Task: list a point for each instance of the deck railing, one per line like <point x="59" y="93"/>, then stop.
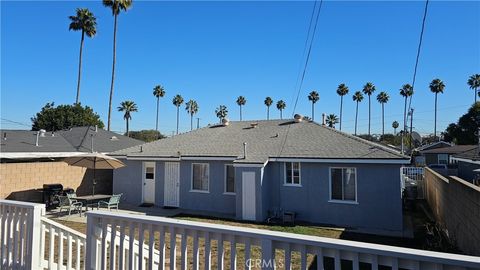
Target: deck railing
<point x="30" y="241"/>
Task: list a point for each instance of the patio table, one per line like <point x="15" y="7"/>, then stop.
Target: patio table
<point x="90" y="199"/>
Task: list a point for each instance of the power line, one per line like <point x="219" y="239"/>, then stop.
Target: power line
<point x="15" y="122"/>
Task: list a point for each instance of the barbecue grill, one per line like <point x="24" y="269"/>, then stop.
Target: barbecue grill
<point x="50" y="193"/>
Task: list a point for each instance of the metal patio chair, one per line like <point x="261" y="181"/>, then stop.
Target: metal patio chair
<point x="65" y="202"/>
<point x="111" y="203"/>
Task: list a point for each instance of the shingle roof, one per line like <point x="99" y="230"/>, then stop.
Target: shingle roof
<point x="472" y="154"/>
<point x="455" y="149"/>
<point x="24" y="141"/>
<point x="267" y="140"/>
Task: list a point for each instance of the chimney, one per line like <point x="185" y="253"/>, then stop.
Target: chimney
<point x="323" y="119"/>
<point x="244" y="150"/>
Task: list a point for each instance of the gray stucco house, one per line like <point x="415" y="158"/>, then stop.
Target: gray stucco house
<point x="248" y="169"/>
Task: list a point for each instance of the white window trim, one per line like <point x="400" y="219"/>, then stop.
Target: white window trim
<point x="225" y="192"/>
<point x="285" y="175"/>
<point x="448" y="159"/>
<point x="330" y="186"/>
<point x="208" y="179"/>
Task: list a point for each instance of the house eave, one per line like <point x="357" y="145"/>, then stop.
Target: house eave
<point x="466" y="160"/>
<point x="343" y="160"/>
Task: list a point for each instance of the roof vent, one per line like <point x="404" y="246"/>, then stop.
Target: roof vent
<point x="298" y="118"/>
<point x="114" y="138"/>
<point x="225" y="122"/>
<point x="53" y="133"/>
<point x="323" y="120"/>
<point x="5" y="136"/>
<point x="42" y="132"/>
<point x="254" y="125"/>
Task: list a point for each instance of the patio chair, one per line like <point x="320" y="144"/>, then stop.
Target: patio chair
<point x="65" y="202"/>
<point x="111" y="203"/>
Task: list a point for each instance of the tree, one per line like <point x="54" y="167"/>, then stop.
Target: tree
<point x="436" y="86"/>
<point x="268" y="102"/>
<point x="86" y="22"/>
<point x="368" y="90"/>
<point x="474" y="83"/>
<point x="331" y="120"/>
<point x="158" y="92"/>
<point x="53" y="118"/>
<point x="281" y="105"/>
<point x="146" y="135"/>
<point x="342" y="90"/>
<point x="406" y="91"/>
<point x="127" y="107"/>
<point x="221" y="112"/>
<point x="116" y="6"/>
<point x="395" y="126"/>
<point x="313" y="97"/>
<point x="383" y="98"/>
<point x="240" y="102"/>
<point x="177" y="101"/>
<point x="464" y="131"/>
<point x="192" y="108"/>
<point x="357" y="97"/>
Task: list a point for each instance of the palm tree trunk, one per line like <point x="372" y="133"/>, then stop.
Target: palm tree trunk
<point x="177" y="117"/>
<point x="128" y="131"/>
<point x="240" y="112"/>
<point x="435" y="124"/>
<point x="313" y="112"/>
<point x="80" y="68"/>
<point x="383" y="120"/>
<point x="369" y="115"/>
<point x="156" y="122"/>
<point x="404" y="118"/>
<point x="475" y="91"/>
<point x="113" y="71"/>
<point x="281" y="116"/>
<point x="341" y="108"/>
<point x="191" y="122"/>
<point x="356" y="117"/>
<point x="268" y="112"/>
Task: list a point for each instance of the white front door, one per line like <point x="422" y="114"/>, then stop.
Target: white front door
<point x="172" y="184"/>
<point x="248" y="195"/>
<point x="149" y="182"/>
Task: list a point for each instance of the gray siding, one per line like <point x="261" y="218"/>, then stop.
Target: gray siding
<point x="378" y="196"/>
<point x="128" y="180"/>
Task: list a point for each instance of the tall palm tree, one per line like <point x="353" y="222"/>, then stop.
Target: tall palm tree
<point x="313" y="97"/>
<point x="395" y="126"/>
<point x="436" y="86"/>
<point x="383" y="98"/>
<point x="192" y="108"/>
<point x="331" y="120"/>
<point x="221" y="112"/>
<point x="342" y="90"/>
<point x="474" y="83"/>
<point x="281" y="105"/>
<point x="116" y="6"/>
<point x="268" y="102"/>
<point x="158" y="92"/>
<point x="177" y="101"/>
<point x="240" y="102"/>
<point x="127" y="107"/>
<point x="406" y="91"/>
<point x="86" y="22"/>
<point x="368" y="90"/>
<point x="357" y="97"/>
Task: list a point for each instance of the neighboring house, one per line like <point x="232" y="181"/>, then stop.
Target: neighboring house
<point x="29" y="159"/>
<point x="249" y="170"/>
<point x="467" y="163"/>
<point x="442" y="155"/>
<point x="421" y="160"/>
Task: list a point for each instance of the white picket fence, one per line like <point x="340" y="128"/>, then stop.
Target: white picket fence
<point x="27" y="243"/>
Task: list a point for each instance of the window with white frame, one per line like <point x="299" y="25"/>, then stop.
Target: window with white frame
<point x="343" y="183"/>
<point x="292" y="173"/>
<point x="229" y="179"/>
<point x="200" y="176"/>
<point x="150" y="171"/>
<point x="443" y="159"/>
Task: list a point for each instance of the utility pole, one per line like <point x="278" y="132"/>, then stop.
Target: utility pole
<point x="198" y="123"/>
<point x="411" y="127"/>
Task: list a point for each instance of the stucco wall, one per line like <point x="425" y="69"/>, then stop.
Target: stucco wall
<point x="22" y="181"/>
<point x="455" y="204"/>
<point x="378" y="196"/>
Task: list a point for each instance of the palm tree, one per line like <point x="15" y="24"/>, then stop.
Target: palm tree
<point x="406" y="91"/>
<point x="268" y="102"/>
<point x="192" y="108"/>
<point x="383" y="98"/>
<point x="86" y="22"/>
<point x="158" y="92"/>
<point x="357" y="97"/>
<point x="128" y="107"/>
<point x="331" y="120"/>
<point x="368" y="90"/>
<point x="177" y="101"/>
<point x="116" y="6"/>
<point x="474" y="83"/>
<point x="436" y="86"/>
<point x="281" y="105"/>
<point x="240" y="102"/>
<point x="342" y="90"/>
<point x="313" y="97"/>
<point x="221" y="112"/>
<point x="395" y="126"/>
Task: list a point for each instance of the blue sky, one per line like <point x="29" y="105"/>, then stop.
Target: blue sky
<point x="215" y="51"/>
